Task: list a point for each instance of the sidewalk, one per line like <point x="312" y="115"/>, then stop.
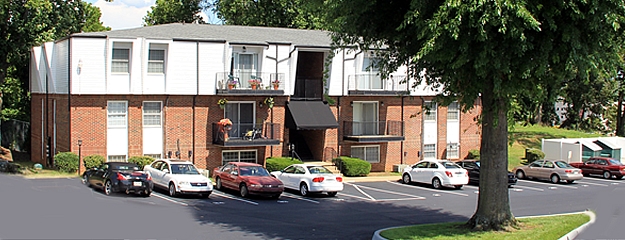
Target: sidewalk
<point x="375" y="177"/>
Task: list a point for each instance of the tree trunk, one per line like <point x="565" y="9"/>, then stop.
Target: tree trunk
<point x="493" y="205"/>
<point x="619" y="114"/>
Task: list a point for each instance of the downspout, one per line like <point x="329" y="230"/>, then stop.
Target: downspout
<point x="47" y="134"/>
<point x="401" y="144"/>
<point x="422" y="127"/>
<point x="197" y="92"/>
<point x="69" y="95"/>
<point x="166" y="156"/>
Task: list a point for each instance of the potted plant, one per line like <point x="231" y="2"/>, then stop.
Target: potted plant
<point x="269" y="102"/>
<point x="225" y="125"/>
<point x="254" y="83"/>
<point x="275" y="84"/>
<point x="232" y="83"/>
<point x="222" y="103"/>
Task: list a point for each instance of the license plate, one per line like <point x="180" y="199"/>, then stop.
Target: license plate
<point x="137" y="184"/>
<point x="458" y="173"/>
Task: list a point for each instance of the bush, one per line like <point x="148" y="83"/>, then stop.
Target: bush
<point x="279" y="163"/>
<point x="93" y="161"/>
<point x="66" y="162"/>
<point x="534" y="154"/>
<point x="352" y="167"/>
<point x="141" y="160"/>
<point x="474" y="154"/>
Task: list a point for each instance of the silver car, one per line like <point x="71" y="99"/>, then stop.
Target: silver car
<point x="553" y="170"/>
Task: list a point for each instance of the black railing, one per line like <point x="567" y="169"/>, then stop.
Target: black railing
<point x="374" y="82"/>
<point x="250" y="80"/>
<point x="308" y="88"/>
<point x="362" y="128"/>
<point x="245" y="132"/>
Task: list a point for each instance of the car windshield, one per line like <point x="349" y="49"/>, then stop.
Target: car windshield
<point x="318" y="170"/>
<point x="478" y="164"/>
<point x="253" y="171"/>
<point x="562" y="164"/>
<point x="615" y="162"/>
<point x="127" y="167"/>
<point x="183" y="169"/>
<point x="450" y="165"/>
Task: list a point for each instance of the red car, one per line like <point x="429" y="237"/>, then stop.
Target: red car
<point x="248" y="179"/>
<point x="607" y="167"/>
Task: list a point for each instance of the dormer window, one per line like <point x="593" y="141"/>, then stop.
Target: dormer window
<point x="156" y="58"/>
<point x="120" y="61"/>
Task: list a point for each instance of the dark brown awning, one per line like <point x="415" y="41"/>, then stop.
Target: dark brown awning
<point x="309" y="115"/>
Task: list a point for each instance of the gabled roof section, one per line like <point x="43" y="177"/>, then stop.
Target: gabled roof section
<point x="227" y="33"/>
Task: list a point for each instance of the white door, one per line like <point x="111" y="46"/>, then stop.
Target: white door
<point x="365" y="116"/>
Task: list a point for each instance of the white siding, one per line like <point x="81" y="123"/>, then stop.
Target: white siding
<point x="91" y="78"/>
<point x="181" y="68"/>
<point x="36" y="70"/>
<point x="60" y="68"/>
<point x="213" y="60"/>
<point x="291" y="80"/>
<point x="335" y="76"/>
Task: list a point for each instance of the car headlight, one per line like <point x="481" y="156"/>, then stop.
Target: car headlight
<point x="256" y="185"/>
<point x="184" y="183"/>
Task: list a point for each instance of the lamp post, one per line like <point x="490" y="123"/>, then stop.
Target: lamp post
<point x="79" y="155"/>
<point x="619" y="106"/>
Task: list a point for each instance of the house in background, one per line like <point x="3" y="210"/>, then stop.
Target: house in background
<point x="156" y="91"/>
<point x="581" y="149"/>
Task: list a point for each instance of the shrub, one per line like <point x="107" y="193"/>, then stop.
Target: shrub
<point x="141" y="160"/>
<point x="279" y="163"/>
<point x="93" y="161"/>
<point x="66" y="162"/>
<point x="474" y="154"/>
<point x="352" y="167"/>
<point x="534" y="154"/>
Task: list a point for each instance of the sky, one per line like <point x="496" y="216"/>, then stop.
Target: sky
<point x="124" y="14"/>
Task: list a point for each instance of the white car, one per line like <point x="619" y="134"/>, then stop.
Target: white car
<point x="437" y="172"/>
<point x="179" y="177"/>
<point x="310" y="178"/>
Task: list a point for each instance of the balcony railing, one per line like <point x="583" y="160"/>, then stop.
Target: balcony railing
<point x="374" y="82"/>
<point x="378" y="131"/>
<point x="308" y="88"/>
<point x="243" y="134"/>
<point x="244" y="80"/>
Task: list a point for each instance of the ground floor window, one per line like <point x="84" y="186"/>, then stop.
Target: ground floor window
<point x="238" y="156"/>
<point x="452" y="151"/>
<point x="155" y="156"/>
<point x="429" y="151"/>
<point x="368" y="153"/>
<point x="117" y="158"/>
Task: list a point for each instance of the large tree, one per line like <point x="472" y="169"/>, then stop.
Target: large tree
<point x="269" y="13"/>
<point x="175" y="11"/>
<point x="485" y="50"/>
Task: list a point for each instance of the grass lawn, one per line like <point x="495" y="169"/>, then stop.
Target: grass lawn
<point x="30" y="172"/>
<point x="550" y="227"/>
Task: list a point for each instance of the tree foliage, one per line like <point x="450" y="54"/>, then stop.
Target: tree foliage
<point x="301" y="14"/>
<point x="174" y="11"/>
<point x="494" y="51"/>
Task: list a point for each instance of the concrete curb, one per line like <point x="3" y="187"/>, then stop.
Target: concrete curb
<point x="568" y="236"/>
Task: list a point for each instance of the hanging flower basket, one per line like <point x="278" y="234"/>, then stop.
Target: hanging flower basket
<point x="222" y="103"/>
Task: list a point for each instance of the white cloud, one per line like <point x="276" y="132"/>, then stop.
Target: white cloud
<point x="122" y="14"/>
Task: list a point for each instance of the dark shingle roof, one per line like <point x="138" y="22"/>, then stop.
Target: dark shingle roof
<point x="229" y="33"/>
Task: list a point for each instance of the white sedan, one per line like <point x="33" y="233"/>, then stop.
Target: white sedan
<point x="310" y="178"/>
<point x="179" y="177"/>
<point x="437" y="172"/>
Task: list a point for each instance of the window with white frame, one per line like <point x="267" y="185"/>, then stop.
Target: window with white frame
<point x="370" y="79"/>
<point x="429" y="151"/>
<point x="120" y="62"/>
<point x="152" y="114"/>
<point x="452" y="151"/>
<point x="155" y="156"/>
<point x="238" y="156"/>
<point x="429" y="109"/>
<point x="116" y="114"/>
<point x="156" y="58"/>
<point x="368" y="153"/>
<point x="453" y="111"/>
<point x="245" y="65"/>
<point x="365" y="116"/>
<point x="116" y="158"/>
<point x="242" y="116"/>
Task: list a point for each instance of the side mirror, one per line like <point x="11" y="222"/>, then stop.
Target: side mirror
<point x="235" y="173"/>
<point x="166" y="170"/>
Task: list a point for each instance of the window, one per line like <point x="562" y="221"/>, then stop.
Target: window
<point x="116" y="114"/>
<point x="452" y="151"/>
<point x="371" y="63"/>
<point x="244" y="66"/>
<point x="365" y="116"/>
<point x="155" y="156"/>
<point x="117" y="158"/>
<point x="242" y="116"/>
<point x="429" y="109"/>
<point x="121" y="60"/>
<point x="429" y="151"/>
<point x="368" y="153"/>
<point x="152" y="114"/>
<point x="156" y="59"/>
<point x="453" y="111"/>
<point x="238" y="156"/>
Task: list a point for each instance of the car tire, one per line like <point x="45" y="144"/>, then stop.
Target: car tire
<point x="172" y="190"/>
<point x="520" y="174"/>
<point x="458" y="187"/>
<point x="303" y="189"/>
<point x="243" y="190"/>
<point x="218" y="183"/>
<point x="436" y="183"/>
<point x="607" y="175"/>
<point x="205" y="195"/>
<point x="406" y="178"/>
<point x="618" y="177"/>
<point x="85" y="180"/>
<point x="147" y="194"/>
<point x="332" y="194"/>
<point x="570" y="181"/>
<point x="554" y="178"/>
<point x="108" y="188"/>
<point x="275" y="197"/>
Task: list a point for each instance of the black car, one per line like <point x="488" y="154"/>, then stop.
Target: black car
<point x="119" y="177"/>
<point x="473" y="167"/>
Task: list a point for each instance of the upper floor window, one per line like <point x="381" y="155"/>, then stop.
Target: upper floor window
<point x="120" y="60"/>
<point x="156" y="58"/>
<point x="429" y="109"/>
<point x="371" y="63"/>
<point x="365" y="116"/>
<point x="453" y="111"/>
<point x="152" y="114"/>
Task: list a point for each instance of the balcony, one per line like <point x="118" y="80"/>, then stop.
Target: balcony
<point x="242" y="135"/>
<point x="370" y="132"/>
<point x="250" y="83"/>
<point x="372" y="84"/>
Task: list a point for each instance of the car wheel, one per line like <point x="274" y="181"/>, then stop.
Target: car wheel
<point x="303" y="189"/>
<point x="458" y="186"/>
<point x="406" y="178"/>
<point x="436" y="183"/>
<point x="570" y="181"/>
<point x="332" y="194"/>
<point x="618" y="177"/>
<point x="520" y="174"/>
<point x="218" y="184"/>
<point x="107" y="187"/>
<point x="172" y="189"/>
<point x="85" y="180"/>
<point x="607" y="175"/>
<point x="555" y="178"/>
<point x="243" y="190"/>
<point x="205" y="195"/>
<point x="275" y="196"/>
<point x="147" y="193"/>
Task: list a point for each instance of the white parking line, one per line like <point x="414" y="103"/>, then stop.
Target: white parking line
<point x="299" y="198"/>
<point x="359" y="197"/>
<point x="529" y="188"/>
<point x="364" y="193"/>
<point x="596" y="184"/>
<point x="386" y="191"/>
<point x="433" y="190"/>
<point x="613" y="181"/>
<point x="235" y="198"/>
<point x="168" y="199"/>
<point x="551" y="184"/>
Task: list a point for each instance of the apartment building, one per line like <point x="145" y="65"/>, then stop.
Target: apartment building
<point x="162" y="91"/>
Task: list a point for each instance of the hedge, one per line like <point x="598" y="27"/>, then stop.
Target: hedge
<point x="474" y="154"/>
<point x="66" y="162"/>
<point x="279" y="163"/>
<point x="141" y="160"/>
<point x="534" y="154"/>
<point x="352" y="167"/>
<point x="93" y="161"/>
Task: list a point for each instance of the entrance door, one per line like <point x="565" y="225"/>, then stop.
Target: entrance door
<point x="242" y="117"/>
<point x="365" y="118"/>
